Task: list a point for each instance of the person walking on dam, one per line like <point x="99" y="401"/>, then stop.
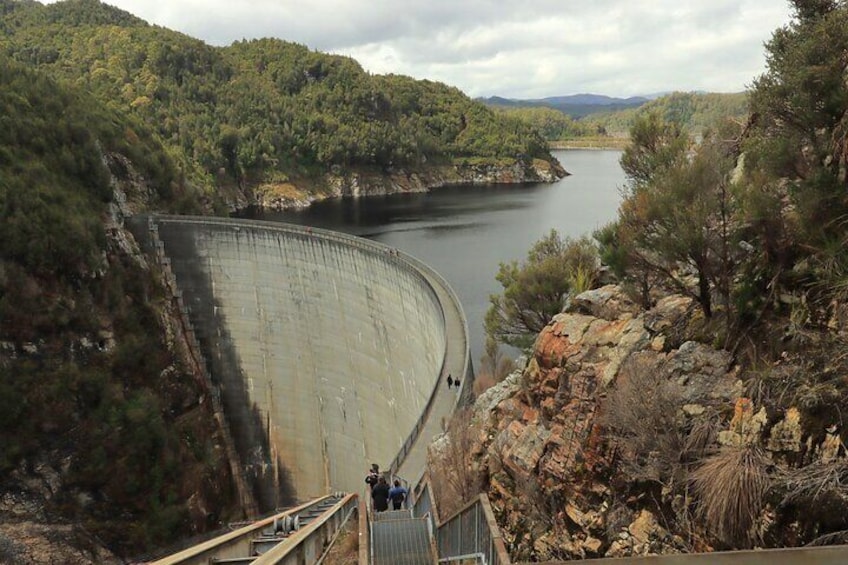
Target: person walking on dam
<point x="380" y="495"/>
<point x="397" y="495"/>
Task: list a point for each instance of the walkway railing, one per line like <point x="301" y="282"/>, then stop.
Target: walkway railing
<point x="470" y="534"/>
<point x="304" y="545"/>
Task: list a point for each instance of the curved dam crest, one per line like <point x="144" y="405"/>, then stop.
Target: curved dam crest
<point x="326" y="349"/>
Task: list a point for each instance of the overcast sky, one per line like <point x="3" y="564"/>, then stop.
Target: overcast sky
<point x="511" y="48"/>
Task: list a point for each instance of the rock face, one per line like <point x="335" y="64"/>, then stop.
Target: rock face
<point x="363" y="183"/>
<point x="585" y="452"/>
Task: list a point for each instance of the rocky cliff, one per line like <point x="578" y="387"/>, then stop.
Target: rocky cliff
<point x="627" y="433"/>
<point x="363" y="183"/>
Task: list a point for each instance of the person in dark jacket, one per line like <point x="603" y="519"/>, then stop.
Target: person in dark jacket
<point x="397" y="495"/>
<point x="380" y="495"/>
<point x="373" y="475"/>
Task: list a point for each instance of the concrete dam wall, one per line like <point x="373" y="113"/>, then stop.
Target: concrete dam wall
<point x="326" y="349"/>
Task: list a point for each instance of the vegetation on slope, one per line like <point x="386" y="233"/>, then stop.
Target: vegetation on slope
<point x="777" y="227"/>
<point x="695" y="222"/>
<point x="88" y="387"/>
<point x="535" y="291"/>
<point x="750" y="223"/>
<point x="694" y="112"/>
<point x="260" y="110"/>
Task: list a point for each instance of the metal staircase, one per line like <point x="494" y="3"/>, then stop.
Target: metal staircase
<point x="280" y="530"/>
<point x="399" y="539"/>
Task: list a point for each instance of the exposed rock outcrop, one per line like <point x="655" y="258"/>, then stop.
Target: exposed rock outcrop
<point x="372" y="183"/>
<point x="587" y="450"/>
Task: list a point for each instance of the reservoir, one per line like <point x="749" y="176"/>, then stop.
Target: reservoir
<point x="464" y="233"/>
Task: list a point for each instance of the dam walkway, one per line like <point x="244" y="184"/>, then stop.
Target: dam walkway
<point x="411" y="459"/>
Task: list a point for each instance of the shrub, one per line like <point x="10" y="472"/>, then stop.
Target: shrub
<point x="453" y="478"/>
<point x="640" y="416"/>
<point x="731" y="486"/>
<point x="495" y="366"/>
<point x="535" y="291"/>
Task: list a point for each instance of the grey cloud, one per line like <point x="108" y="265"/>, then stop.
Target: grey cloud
<point x="518" y="48"/>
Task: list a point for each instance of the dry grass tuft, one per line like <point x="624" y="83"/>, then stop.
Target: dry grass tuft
<point x="640" y="416"/>
<point x="731" y="486"/>
<point x="811" y="484"/>
<point x="495" y="366"/>
<point x="452" y="476"/>
<point x="483" y="382"/>
<point x="345" y="550"/>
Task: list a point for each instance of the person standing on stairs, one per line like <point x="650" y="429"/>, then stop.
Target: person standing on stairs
<point x="397" y="495"/>
<point x="373" y="476"/>
<point x="380" y="495"/>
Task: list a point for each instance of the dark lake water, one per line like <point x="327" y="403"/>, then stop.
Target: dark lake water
<point x="465" y="233"/>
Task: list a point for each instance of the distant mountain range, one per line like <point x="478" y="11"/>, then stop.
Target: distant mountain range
<point x="575" y="105"/>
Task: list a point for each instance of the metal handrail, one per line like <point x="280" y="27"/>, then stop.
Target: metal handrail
<point x="201" y="551"/>
<point x="485" y="541"/>
<point x="276" y="554"/>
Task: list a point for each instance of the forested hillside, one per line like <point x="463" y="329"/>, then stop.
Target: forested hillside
<point x="95" y="404"/>
<point x="576" y="105"/>
<point x="694" y="112"/>
<point x="263" y="110"/>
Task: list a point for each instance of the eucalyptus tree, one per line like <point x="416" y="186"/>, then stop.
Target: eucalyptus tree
<point x="536" y="290"/>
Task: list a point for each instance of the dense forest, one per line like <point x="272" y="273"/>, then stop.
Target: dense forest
<point x="694" y="112"/>
<point x="262" y="110"/>
<point x="85" y="376"/>
<point x="575" y="105"/>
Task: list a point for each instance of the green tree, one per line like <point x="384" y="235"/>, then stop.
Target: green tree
<point x="656" y="146"/>
<point x="536" y="290"/>
<point x="796" y="151"/>
<point x="675" y="221"/>
<point x="552" y="124"/>
<point x="679" y="225"/>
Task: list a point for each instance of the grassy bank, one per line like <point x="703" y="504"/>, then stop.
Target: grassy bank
<point x="590" y="143"/>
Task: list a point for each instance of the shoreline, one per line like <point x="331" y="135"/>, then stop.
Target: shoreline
<point x="600" y="144"/>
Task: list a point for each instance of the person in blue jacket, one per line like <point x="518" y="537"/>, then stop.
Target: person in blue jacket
<point x="398" y="494"/>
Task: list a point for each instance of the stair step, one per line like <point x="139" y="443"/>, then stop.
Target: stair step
<point x="393" y="515"/>
<point x="261" y="545"/>
<point x="402" y="542"/>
